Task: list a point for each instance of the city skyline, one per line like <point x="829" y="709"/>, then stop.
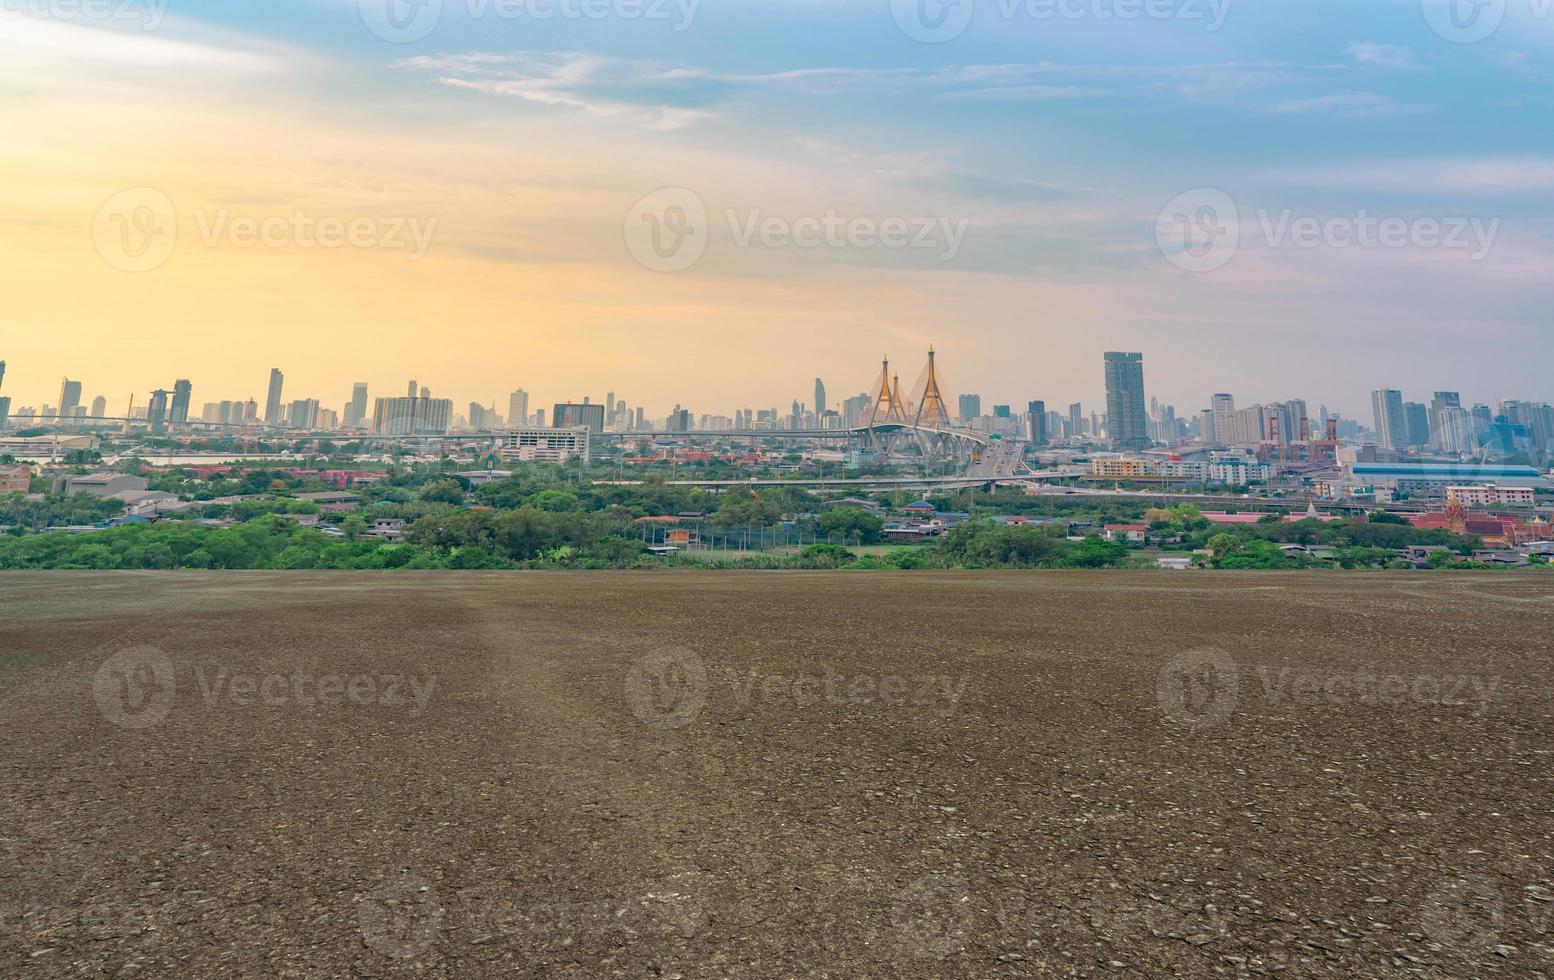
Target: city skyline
<point x="1357" y="406"/>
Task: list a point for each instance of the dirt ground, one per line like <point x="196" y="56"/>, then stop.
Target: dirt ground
<point x="781" y="774"/>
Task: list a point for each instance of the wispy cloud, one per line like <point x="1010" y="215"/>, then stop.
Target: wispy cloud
<point x="1382" y="55"/>
<point x="1353" y="105"/>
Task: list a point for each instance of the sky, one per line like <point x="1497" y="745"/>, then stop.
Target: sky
<point x="712" y="202"/>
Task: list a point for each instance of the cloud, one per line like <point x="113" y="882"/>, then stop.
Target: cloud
<point x="1350" y="105"/>
<point x="1381" y="55"/>
<point x="1476" y="176"/>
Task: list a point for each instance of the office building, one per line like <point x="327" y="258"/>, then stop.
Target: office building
<point x="820" y="397"/>
<point x="970" y="407"/>
<point x="1126" y="421"/>
<point x="568" y="415"/>
<point x="356" y="411"/>
<point x="518" y="409"/>
<point x="178" y="410"/>
<point x="529" y="444"/>
<point x="1036" y="425"/>
<point x="5" y="409"/>
<point x="1391" y="422"/>
<point x="69" y="397"/>
<point x="412" y="416"/>
<point x="1416" y="419"/>
<point x="156" y="408"/>
<point x="272" y="401"/>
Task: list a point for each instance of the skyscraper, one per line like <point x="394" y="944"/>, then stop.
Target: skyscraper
<point x="970" y="407"/>
<point x="179" y="412"/>
<point x="1222" y="413"/>
<point x="410" y="391"/>
<point x="272" y="403"/>
<point x="1391" y="423"/>
<point x="2" y="374"/>
<point x="99" y="407"/>
<point x="518" y="408"/>
<point x="69" y="397"/>
<point x="1442" y="400"/>
<point x="1036" y="428"/>
<point x="820" y="398"/>
<point x="1417" y="420"/>
<point x="357" y="409"/>
<point x="1126" y="420"/>
<point x="156" y="408"/>
<point x="1076" y="419"/>
<point x="567" y="415"/>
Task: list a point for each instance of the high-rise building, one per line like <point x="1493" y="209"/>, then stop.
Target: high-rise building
<point x="412" y="416"/>
<point x="410" y="390"/>
<point x="820" y="397"/>
<point x="1036" y="426"/>
<point x="518" y="409"/>
<point x="156" y="408"/>
<point x="2" y="373"/>
<point x="99" y="407"/>
<point x="69" y="397"/>
<point x="272" y="402"/>
<point x="1222" y="412"/>
<point x="1416" y="418"/>
<point x="1076" y="420"/>
<point x="1126" y="420"/>
<point x="303" y="414"/>
<point x="5" y="409"/>
<point x="179" y="410"/>
<point x="568" y="415"/>
<point x="1441" y="401"/>
<point x="1391" y="422"/>
<point x="357" y="409"/>
<point x="1002" y="412"/>
<point x="970" y="407"/>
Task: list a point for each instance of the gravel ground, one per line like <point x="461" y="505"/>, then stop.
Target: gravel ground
<point x="773" y="775"/>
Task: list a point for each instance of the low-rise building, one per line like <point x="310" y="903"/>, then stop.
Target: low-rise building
<point x="15" y="479"/>
<point x="546" y="445"/>
<point x="101" y="484"/>
<point x="1485" y="494"/>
